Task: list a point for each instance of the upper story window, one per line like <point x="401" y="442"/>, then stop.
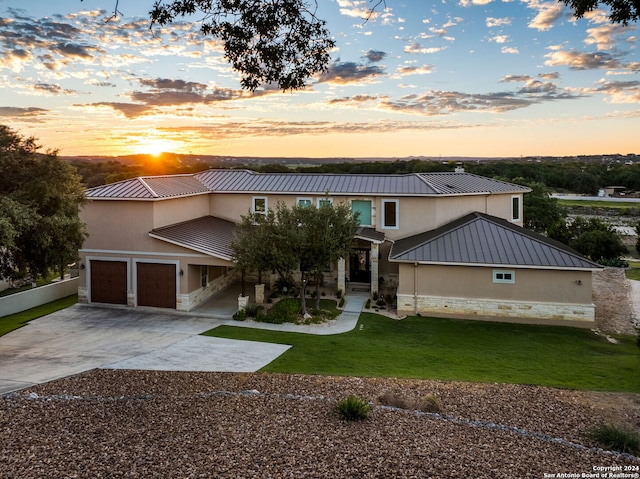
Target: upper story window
<point x="516" y="208"/>
<point x="259" y="205"/>
<point x="304" y="202"/>
<point x="390" y="214"/>
<point x="504" y="276"/>
<point x="364" y="208"/>
<point x="324" y="202"/>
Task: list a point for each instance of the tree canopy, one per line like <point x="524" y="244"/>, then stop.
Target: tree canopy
<point x="278" y="42"/>
<point x="40" y="197"/>
<point x="287" y="238"/>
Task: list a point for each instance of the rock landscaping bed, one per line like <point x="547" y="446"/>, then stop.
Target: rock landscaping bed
<point x="115" y="423"/>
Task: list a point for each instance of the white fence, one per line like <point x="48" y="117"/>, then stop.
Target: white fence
<point x="15" y="303"/>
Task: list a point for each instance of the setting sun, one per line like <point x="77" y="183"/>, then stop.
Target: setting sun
<point x="156" y="146"/>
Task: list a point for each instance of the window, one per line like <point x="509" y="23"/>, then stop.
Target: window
<point x="204" y="276"/>
<point x="364" y="208"/>
<point x="303" y="202"/>
<point x="515" y="208"/>
<point x="390" y="214"/>
<point x="259" y="206"/>
<point x="504" y="276"/>
<point x="324" y="202"/>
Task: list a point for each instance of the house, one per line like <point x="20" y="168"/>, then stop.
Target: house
<point x="449" y="243"/>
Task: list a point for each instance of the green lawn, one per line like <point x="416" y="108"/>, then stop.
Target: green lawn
<point x="633" y="271"/>
<point x="15" y="321"/>
<point x="600" y="204"/>
<point x="431" y="348"/>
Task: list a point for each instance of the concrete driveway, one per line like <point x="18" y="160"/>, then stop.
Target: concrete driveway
<point x="83" y="337"/>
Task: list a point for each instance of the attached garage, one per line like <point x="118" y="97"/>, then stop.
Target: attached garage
<point x="108" y="282"/>
<point x="156" y="285"/>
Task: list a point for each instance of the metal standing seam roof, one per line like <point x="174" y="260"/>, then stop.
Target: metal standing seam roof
<point x="245" y="181"/>
<point x="480" y="239"/>
<point x="208" y="235"/>
<point x="149" y="187"/>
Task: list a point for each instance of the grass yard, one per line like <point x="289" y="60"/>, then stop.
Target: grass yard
<point x="17" y="320"/>
<point x="620" y="205"/>
<point x="445" y="349"/>
<point x="633" y="271"/>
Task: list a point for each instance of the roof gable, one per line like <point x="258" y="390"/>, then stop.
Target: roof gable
<point x="149" y="187"/>
<point x="480" y="239"/>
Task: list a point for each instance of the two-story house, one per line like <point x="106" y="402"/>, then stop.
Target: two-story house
<point x="448" y="243"/>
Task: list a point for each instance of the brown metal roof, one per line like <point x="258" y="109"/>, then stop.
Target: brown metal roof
<point x="369" y="234"/>
<point x="480" y="239"/>
<point x="208" y="235"/>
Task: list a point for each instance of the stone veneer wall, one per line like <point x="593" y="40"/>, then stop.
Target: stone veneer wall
<point x="186" y="302"/>
<point x="495" y="308"/>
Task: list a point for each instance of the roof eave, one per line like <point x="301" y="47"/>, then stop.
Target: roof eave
<point x="177" y="243"/>
<point x="496" y="265"/>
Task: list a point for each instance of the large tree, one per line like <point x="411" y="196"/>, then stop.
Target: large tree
<point x="287" y="238"/>
<point x="40" y="196"/>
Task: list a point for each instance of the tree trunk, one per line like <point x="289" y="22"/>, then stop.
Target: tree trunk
<point x="318" y="280"/>
<point x="242" y="282"/>
<point x="303" y="297"/>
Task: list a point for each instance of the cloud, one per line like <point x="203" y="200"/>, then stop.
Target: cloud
<point x="468" y="3"/>
<point x="604" y="36"/>
<point x="515" y="78"/>
<point x="621" y="92"/>
<point x="356" y="99"/>
<point x="375" y="56"/>
<point x="416" y="47"/>
<point x="510" y="50"/>
<point x="497" y="22"/>
<point x="51" y="89"/>
<point x="404" y="70"/>
<point x="357" y="9"/>
<point x="16" y="112"/>
<point x="581" y="60"/>
<point x="499" y="38"/>
<point x="548" y="13"/>
<point x="343" y="73"/>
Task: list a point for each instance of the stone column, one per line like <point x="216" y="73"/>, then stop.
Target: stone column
<point x="341" y="276"/>
<point x="243" y="301"/>
<point x="259" y="293"/>
<point x="373" y="261"/>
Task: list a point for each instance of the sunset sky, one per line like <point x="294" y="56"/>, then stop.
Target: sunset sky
<point x="478" y="78"/>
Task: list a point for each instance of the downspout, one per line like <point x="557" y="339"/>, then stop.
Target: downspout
<point x="415" y="288"/>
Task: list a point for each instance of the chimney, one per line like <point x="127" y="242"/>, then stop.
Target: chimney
<point x="459" y="168"/>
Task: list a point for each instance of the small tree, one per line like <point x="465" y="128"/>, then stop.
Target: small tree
<point x="590" y="237"/>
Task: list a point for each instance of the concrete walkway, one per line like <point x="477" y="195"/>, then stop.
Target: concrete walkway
<point x="84" y="337"/>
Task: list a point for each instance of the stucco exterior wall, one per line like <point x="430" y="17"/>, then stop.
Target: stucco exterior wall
<point x="177" y="210"/>
<point x="470" y="291"/>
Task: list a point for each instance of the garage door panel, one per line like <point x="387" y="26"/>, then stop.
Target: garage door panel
<point x="108" y="282"/>
<point x="156" y="284"/>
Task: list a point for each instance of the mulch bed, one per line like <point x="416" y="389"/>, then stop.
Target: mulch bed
<point x="118" y="423"/>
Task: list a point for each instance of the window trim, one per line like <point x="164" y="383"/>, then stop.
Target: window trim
<point x="516" y="216"/>
<point x="304" y="198"/>
<point x="253" y="205"/>
<point x="324" y="198"/>
<point x="503" y="272"/>
<point x="384" y="215"/>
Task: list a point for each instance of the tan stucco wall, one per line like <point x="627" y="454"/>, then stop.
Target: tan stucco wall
<point x="168" y="212"/>
<point x="477" y="282"/>
<point x="469" y="292"/>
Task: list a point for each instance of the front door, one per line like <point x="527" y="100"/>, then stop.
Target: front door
<point x="359" y="266"/>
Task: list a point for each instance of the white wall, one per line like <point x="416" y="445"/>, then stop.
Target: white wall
<point x="24" y="300"/>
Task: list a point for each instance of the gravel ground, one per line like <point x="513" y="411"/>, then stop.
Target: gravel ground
<point x="141" y="424"/>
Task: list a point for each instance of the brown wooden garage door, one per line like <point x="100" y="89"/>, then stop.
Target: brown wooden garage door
<point x="109" y="282"/>
<point x="156" y="285"/>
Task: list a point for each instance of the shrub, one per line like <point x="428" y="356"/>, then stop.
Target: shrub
<point x="252" y="310"/>
<point x="239" y="315"/>
<point x="368" y="304"/>
<point x="391" y="399"/>
<point x="341" y="303"/>
<point x="353" y="408"/>
<point x="615" y="438"/>
<point x="339" y="294"/>
<point x="430" y="403"/>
